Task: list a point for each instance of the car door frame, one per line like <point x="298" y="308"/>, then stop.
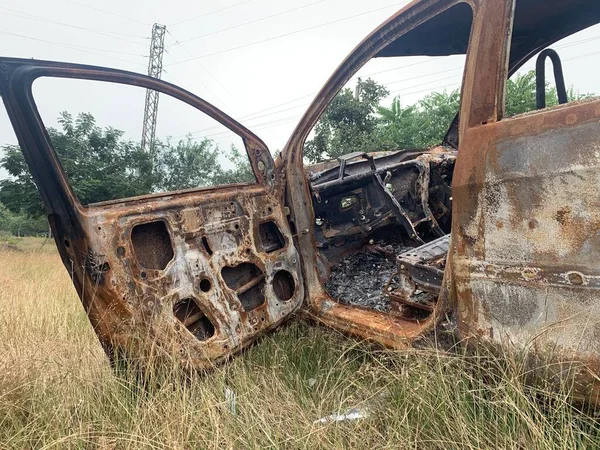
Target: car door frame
<point x="368" y="324"/>
<point x="123" y="300"/>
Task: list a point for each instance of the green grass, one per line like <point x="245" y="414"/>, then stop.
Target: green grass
<point x="57" y="390"/>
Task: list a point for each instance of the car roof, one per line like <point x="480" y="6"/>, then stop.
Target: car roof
<point x="537" y="24"/>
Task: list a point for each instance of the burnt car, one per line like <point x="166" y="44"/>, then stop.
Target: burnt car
<point x="499" y="224"/>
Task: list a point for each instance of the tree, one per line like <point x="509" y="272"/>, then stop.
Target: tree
<point x="348" y="124"/>
<point x="188" y="164"/>
<point x="420" y="125"/>
<point x="21" y="224"/>
<point x="241" y="171"/>
<point x="101" y="165"/>
<point x="397" y="126"/>
<point x="192" y="164"/>
<point x="435" y="114"/>
<point x="19" y="193"/>
<point x="351" y="124"/>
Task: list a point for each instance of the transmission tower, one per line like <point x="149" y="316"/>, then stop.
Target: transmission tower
<point x="155" y="66"/>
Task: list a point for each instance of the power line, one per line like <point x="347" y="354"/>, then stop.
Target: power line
<point x="428" y="82"/>
<point x="254" y="21"/>
<point x="246" y="117"/>
<point x="380" y="72"/>
<point x="289" y="119"/>
<point x="260" y="126"/>
<point x="430" y="89"/>
<point x="73" y="47"/>
<point x="393" y="82"/>
<point x="361" y="75"/>
<point x="254" y="115"/>
<point x="242" y="118"/>
<point x="198" y="80"/>
<point x="582" y="56"/>
<point x="582" y="41"/>
<point x="403" y="67"/>
<point x="312" y="94"/>
<point x="210" y="13"/>
<point x="280" y="104"/>
<point x="108" y="12"/>
<point x="288" y="34"/>
<point x="208" y="72"/>
<point x="25" y="15"/>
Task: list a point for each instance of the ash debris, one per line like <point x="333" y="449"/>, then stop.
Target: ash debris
<point x="360" y="278"/>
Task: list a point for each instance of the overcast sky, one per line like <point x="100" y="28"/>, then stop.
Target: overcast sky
<point x="261" y="61"/>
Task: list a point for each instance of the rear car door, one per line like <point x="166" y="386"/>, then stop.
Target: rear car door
<point x="526" y="206"/>
<point x="194" y="275"/>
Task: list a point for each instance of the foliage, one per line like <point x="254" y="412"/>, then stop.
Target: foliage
<point x="187" y="164"/>
<point x="418" y="126"/>
<point x="352" y="124"/>
<point x="348" y="124"/>
<point x="99" y="163"/>
<point x="421" y="125"/>
<point x="193" y="164"/>
<point x="19" y="193"/>
<point x="102" y="165"/>
<point x="241" y="171"/>
<point x="22" y="224"/>
<point x="520" y="94"/>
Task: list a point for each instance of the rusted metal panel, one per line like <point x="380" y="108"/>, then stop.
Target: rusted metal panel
<point x="527" y="237"/>
<point x="154" y="272"/>
<point x="212" y="241"/>
<point x="197" y="275"/>
<point x="405" y="192"/>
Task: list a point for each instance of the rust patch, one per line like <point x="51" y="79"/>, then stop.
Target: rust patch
<point x="563" y="215"/>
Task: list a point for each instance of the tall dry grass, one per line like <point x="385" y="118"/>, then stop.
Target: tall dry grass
<point x="57" y="390"/>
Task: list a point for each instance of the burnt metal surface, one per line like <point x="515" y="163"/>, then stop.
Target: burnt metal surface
<point x="305" y="213"/>
<point x="418" y="280"/>
<point x="369" y="209"/>
<point x="202" y="273"/>
<point x="527" y="234"/>
<point x="194" y="275"/>
<point x="524" y="260"/>
<point x="519" y="295"/>
<point x="408" y="190"/>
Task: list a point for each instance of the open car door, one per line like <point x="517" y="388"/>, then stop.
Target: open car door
<point x="195" y="275"/>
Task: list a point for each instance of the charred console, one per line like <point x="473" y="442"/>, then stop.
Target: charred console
<point x="375" y="215"/>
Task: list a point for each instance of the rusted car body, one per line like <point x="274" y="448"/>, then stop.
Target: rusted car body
<point x="503" y="218"/>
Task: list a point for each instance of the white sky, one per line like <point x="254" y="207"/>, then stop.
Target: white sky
<point x="262" y="70"/>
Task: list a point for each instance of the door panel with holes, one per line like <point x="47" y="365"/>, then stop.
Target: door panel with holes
<point x="195" y="274"/>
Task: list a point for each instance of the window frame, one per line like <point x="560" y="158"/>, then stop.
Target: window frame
<point x="255" y="148"/>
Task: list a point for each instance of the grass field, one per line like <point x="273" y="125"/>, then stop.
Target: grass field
<point x="57" y="390"/>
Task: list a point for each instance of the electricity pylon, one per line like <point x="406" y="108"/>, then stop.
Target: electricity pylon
<point x="155" y="66"/>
